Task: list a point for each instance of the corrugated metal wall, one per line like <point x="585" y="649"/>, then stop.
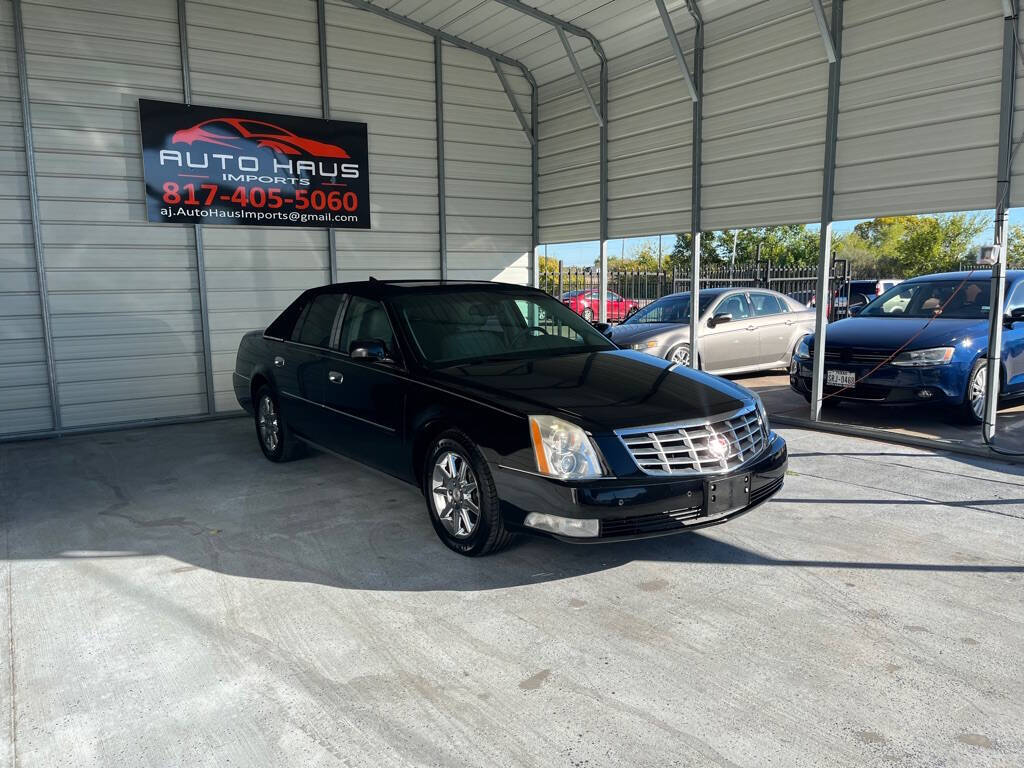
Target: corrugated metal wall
<point x="262" y="55"/>
<point x="765" y="93"/>
<point x="382" y="73"/>
<point x="125" y="312"/>
<point x="919" y="106"/>
<point x="24" y="388"/>
<point x="487" y="171"/>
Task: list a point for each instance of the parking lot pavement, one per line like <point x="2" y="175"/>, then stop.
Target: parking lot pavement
<point x="922" y="422"/>
<point x="169" y="598"/>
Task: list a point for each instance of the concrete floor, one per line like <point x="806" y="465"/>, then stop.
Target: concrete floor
<point x="169" y="598"/>
<point x="923" y="422"/>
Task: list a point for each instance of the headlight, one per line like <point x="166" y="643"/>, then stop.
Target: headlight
<point x="563" y="450"/>
<point x="803" y="349"/>
<point x="645" y="345"/>
<point x="935" y="356"/>
<point x="762" y="412"/>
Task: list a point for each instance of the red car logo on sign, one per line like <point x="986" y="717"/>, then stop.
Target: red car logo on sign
<point x="235" y="132"/>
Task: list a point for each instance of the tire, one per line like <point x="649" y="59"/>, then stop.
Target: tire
<point x="971" y="410"/>
<point x="469" y="486"/>
<point x="275" y="438"/>
<point x="680" y="354"/>
<point x="588" y="314"/>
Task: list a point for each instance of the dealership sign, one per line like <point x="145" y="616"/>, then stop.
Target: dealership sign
<point x="230" y="166"/>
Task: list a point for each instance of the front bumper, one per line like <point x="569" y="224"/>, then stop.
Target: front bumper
<point x="634" y="507"/>
<point x="889" y="385"/>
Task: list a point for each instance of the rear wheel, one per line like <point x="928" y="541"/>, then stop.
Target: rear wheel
<point x="276" y="439"/>
<point x="461" y="497"/>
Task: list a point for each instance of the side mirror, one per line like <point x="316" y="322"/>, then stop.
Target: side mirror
<point x="368" y="349"/>
<point x="602" y="328"/>
<point x="721" y="317"/>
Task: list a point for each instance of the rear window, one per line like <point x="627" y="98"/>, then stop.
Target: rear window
<point x="284" y="325"/>
<point x="318" y="321"/>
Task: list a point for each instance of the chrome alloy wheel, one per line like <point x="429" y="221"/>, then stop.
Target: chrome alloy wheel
<point x="269" y="424"/>
<point x="976" y="392"/>
<point x="681" y="355"/>
<point x="455" y="494"/>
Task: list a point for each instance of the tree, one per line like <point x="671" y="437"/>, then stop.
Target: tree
<point x="680" y="255"/>
<point x="1015" y="247"/>
<point x="904" y="246"/>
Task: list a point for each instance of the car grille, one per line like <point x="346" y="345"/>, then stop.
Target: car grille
<point x="687" y="448"/>
<point x="856" y="355"/>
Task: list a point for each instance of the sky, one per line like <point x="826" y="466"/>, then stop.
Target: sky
<point x="581" y="254"/>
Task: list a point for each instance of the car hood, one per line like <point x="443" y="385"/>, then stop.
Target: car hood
<point x="893" y="332"/>
<point x="633" y="333"/>
<point x="600" y="390"/>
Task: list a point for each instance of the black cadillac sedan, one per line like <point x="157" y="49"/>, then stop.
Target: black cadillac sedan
<point x="508" y="410"/>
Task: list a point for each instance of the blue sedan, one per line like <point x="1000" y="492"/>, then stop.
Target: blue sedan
<point x="922" y="341"/>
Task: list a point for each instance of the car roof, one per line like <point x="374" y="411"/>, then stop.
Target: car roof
<point x="1012" y="276"/>
<point x="391" y="288"/>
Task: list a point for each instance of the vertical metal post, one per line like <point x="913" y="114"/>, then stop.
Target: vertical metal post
<point x="603" y="190"/>
<point x="824" y="295"/>
<point x="325" y="98"/>
<point x="1002" y="220"/>
<point x="534" y="179"/>
<point x="204" y="307"/>
<point x="695" y="183"/>
<point x="33" y="202"/>
<point x="442" y="226"/>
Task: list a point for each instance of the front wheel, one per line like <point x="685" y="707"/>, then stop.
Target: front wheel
<point x="461" y="497"/>
<point x="679" y="354"/>
<point x="972" y="410"/>
<point x="588" y="314"/>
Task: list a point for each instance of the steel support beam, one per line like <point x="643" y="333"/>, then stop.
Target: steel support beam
<point x="603" y="191"/>
<point x="556" y="22"/>
<point x="677" y="49"/>
<point x="1002" y="220"/>
<point x="534" y="184"/>
<point x="442" y="224"/>
<point x="527" y="128"/>
<point x="325" y="98"/>
<point x="204" y="307"/>
<point x="695" y="181"/>
<point x="824" y="296"/>
<point x="826" y="36"/>
<point x="579" y="76"/>
<point x="33" y="204"/>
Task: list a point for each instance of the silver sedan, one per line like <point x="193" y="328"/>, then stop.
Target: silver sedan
<point x="741" y="329"/>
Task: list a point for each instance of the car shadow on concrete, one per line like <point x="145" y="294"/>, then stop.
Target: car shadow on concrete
<point x="204" y="496"/>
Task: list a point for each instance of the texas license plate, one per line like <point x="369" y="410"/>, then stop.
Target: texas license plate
<point x="835" y="378"/>
<point x="726" y="494"/>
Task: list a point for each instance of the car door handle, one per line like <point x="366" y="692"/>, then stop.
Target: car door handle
<point x="335" y="377"/>
<point x="279" y="361"/>
<point x="751" y="328"/>
<point x="790" y="322"/>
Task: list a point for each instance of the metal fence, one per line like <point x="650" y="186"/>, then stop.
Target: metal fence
<point x="630" y="290"/>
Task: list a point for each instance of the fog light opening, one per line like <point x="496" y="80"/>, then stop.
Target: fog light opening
<point x="563" y="526"/>
<point x="925" y="394"/>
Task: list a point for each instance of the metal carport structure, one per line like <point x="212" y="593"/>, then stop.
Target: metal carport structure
<point x="494" y="126"/>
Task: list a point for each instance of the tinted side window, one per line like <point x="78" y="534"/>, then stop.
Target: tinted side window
<point x="1016" y="300"/>
<point x="765" y="304"/>
<point x="319" y="320"/>
<point x="284" y="325"/>
<point x="365" y="319"/>
<point x="735" y="306"/>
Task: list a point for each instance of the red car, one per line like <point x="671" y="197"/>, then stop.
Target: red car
<point x="236" y="132"/>
<point x="588" y="304"/>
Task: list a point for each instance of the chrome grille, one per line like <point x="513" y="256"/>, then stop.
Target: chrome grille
<point x="685" y="448"/>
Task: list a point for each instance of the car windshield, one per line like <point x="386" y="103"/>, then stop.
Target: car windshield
<point x="465" y="326"/>
<point x="933" y="298"/>
<point x="670" y="309"/>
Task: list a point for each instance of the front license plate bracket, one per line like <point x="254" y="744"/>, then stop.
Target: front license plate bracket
<point x="726" y="494"/>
